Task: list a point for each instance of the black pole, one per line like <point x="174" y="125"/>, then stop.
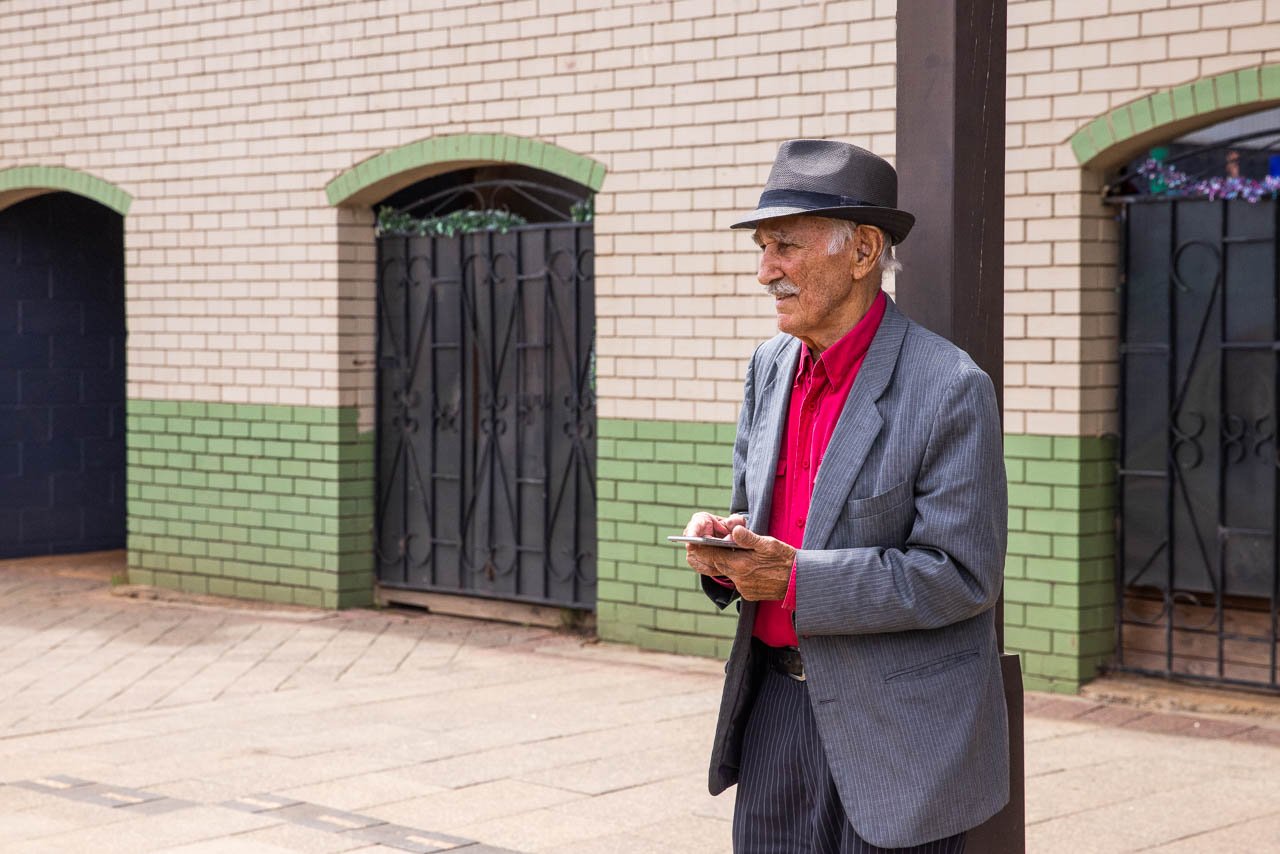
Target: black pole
<point x="950" y="159"/>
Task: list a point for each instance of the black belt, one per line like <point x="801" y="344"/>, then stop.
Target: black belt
<point x="786" y="660"/>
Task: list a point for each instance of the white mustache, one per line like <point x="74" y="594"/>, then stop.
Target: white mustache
<point x="782" y="288"/>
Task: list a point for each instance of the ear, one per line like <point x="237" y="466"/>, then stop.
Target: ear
<point x="868" y="243"/>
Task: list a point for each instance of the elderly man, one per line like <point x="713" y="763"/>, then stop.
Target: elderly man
<point x="863" y="707"/>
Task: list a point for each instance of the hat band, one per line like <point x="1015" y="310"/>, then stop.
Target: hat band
<point x="809" y="199"/>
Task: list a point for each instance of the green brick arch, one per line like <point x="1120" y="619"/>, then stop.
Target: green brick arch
<point x="385" y="173"/>
<point x="1126" y="130"/>
<point x="23" y="182"/>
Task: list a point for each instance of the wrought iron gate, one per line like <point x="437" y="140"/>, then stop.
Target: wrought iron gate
<point x="1197" y="579"/>
<point x="486" y="424"/>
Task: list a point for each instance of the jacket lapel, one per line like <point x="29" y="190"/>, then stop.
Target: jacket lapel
<point x="856" y="430"/>
<point x="775" y="399"/>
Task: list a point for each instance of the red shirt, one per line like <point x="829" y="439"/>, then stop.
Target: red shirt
<point x="817" y="398"/>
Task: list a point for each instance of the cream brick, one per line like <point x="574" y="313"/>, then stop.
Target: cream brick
<point x="1265" y="37"/>
<point x="1053" y="34"/>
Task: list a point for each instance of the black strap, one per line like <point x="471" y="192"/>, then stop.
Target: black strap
<point x="808" y="199"/>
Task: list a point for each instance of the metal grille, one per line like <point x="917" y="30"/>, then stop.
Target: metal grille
<point x="1197" y="580"/>
<point x="486" y="425"/>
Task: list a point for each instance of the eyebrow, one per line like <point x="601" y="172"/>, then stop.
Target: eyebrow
<point x="779" y="234"/>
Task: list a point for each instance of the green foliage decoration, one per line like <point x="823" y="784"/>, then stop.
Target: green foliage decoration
<point x="401" y="224"/>
<point x="583" y="211"/>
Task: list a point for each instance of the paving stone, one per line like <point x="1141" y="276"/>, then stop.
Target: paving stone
<point x="409" y="838"/>
<point x="324" y="818"/>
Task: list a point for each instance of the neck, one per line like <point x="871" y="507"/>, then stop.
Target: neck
<point x="850" y="314"/>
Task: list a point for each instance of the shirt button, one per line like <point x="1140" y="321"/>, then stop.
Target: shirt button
<point x="799" y="523"/>
<point x="804" y="464"/>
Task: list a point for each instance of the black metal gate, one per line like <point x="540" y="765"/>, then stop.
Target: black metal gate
<point x="486" y="424"/>
<point x="1197" y="578"/>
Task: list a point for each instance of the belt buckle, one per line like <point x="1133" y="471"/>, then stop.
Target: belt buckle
<point x="785" y="656"/>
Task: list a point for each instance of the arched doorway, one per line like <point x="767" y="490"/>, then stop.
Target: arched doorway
<point x="485" y="387"/>
<point x="1198" y="563"/>
<point x="62" y="373"/>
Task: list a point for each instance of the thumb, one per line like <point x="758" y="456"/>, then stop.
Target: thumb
<point x="745" y="537"/>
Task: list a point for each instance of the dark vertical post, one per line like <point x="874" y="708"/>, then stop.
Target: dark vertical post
<point x="950" y="159"/>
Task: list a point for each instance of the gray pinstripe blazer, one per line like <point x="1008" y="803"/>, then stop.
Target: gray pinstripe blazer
<point x="902" y="561"/>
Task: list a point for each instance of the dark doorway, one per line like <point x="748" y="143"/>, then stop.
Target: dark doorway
<point x="486" y="393"/>
<point x="62" y="377"/>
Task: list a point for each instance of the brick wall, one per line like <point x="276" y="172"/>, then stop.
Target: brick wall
<point x="225" y="121"/>
<point x="652" y="476"/>
<point x="1071" y="61"/>
<point x="261" y="502"/>
<point x="1059" y="591"/>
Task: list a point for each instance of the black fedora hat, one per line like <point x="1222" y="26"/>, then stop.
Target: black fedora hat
<point x="822" y="177"/>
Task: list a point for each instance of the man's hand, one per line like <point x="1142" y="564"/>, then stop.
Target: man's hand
<point x="760" y="570"/>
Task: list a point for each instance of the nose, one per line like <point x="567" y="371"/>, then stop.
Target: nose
<point x="769" y="270"/>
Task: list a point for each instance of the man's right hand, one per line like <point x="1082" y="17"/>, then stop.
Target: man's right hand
<point x="703" y="524"/>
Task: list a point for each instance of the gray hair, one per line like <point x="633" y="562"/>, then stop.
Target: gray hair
<point x="842" y="232"/>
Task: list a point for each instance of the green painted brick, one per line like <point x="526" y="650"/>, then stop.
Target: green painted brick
<point x="685" y="497"/>
<point x="1269" y="81"/>
<point x="635" y="573"/>
<point x="1225" y="88"/>
<point x="639" y="492"/>
<point x="1076" y="596"/>
<point x="1083" y="547"/>
<point x="659" y="430"/>
<point x="1026" y="592"/>
<point x="1025" y="543"/>
<point x="1184" y="101"/>
<point x="636" y="450"/>
<point x="659" y="472"/>
<point x="1030" y="495"/>
<point x="609" y="428"/>
<point x="616" y="470"/>
<point x="656" y="596"/>
<point x="616" y="591"/>
<point x="677" y="452"/>
<point x="1028" y="447"/>
<point x="635" y="533"/>
<point x="693" y="600"/>
<point x="1024" y="639"/>
<point x="696" y="432"/>
<point x="667" y="620"/>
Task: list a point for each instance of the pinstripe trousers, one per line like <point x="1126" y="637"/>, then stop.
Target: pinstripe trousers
<point x="787" y="802"/>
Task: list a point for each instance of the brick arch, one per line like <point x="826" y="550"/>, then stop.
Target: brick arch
<point x="23" y="182"/>
<point x="385" y="173"/>
<point x="1127" y="130"/>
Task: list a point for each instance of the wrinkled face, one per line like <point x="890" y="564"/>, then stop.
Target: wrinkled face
<point x="812" y="287"/>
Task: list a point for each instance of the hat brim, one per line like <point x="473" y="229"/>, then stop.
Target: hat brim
<point x="897" y="224"/>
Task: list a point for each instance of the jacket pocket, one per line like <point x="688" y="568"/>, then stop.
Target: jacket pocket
<point x="860" y="508"/>
<point x="931" y="668"/>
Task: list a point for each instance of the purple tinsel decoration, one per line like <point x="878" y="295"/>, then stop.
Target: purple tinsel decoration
<point x="1170" y="181"/>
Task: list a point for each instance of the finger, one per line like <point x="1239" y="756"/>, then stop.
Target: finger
<point x="745" y="537"/>
<point x="698" y="523"/>
<point x="735" y="521"/>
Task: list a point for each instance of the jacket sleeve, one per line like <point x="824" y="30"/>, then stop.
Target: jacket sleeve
<point x="719" y="593"/>
<point x="952" y="566"/>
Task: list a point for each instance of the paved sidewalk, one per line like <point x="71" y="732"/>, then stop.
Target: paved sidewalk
<point x="134" y="725"/>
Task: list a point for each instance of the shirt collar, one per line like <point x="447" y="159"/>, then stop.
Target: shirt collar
<point x="839" y="360"/>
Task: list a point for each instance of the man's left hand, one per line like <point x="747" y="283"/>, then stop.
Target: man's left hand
<point x="760" y="570"/>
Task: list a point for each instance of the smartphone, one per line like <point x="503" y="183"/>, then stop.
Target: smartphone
<point x="706" y="541"/>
